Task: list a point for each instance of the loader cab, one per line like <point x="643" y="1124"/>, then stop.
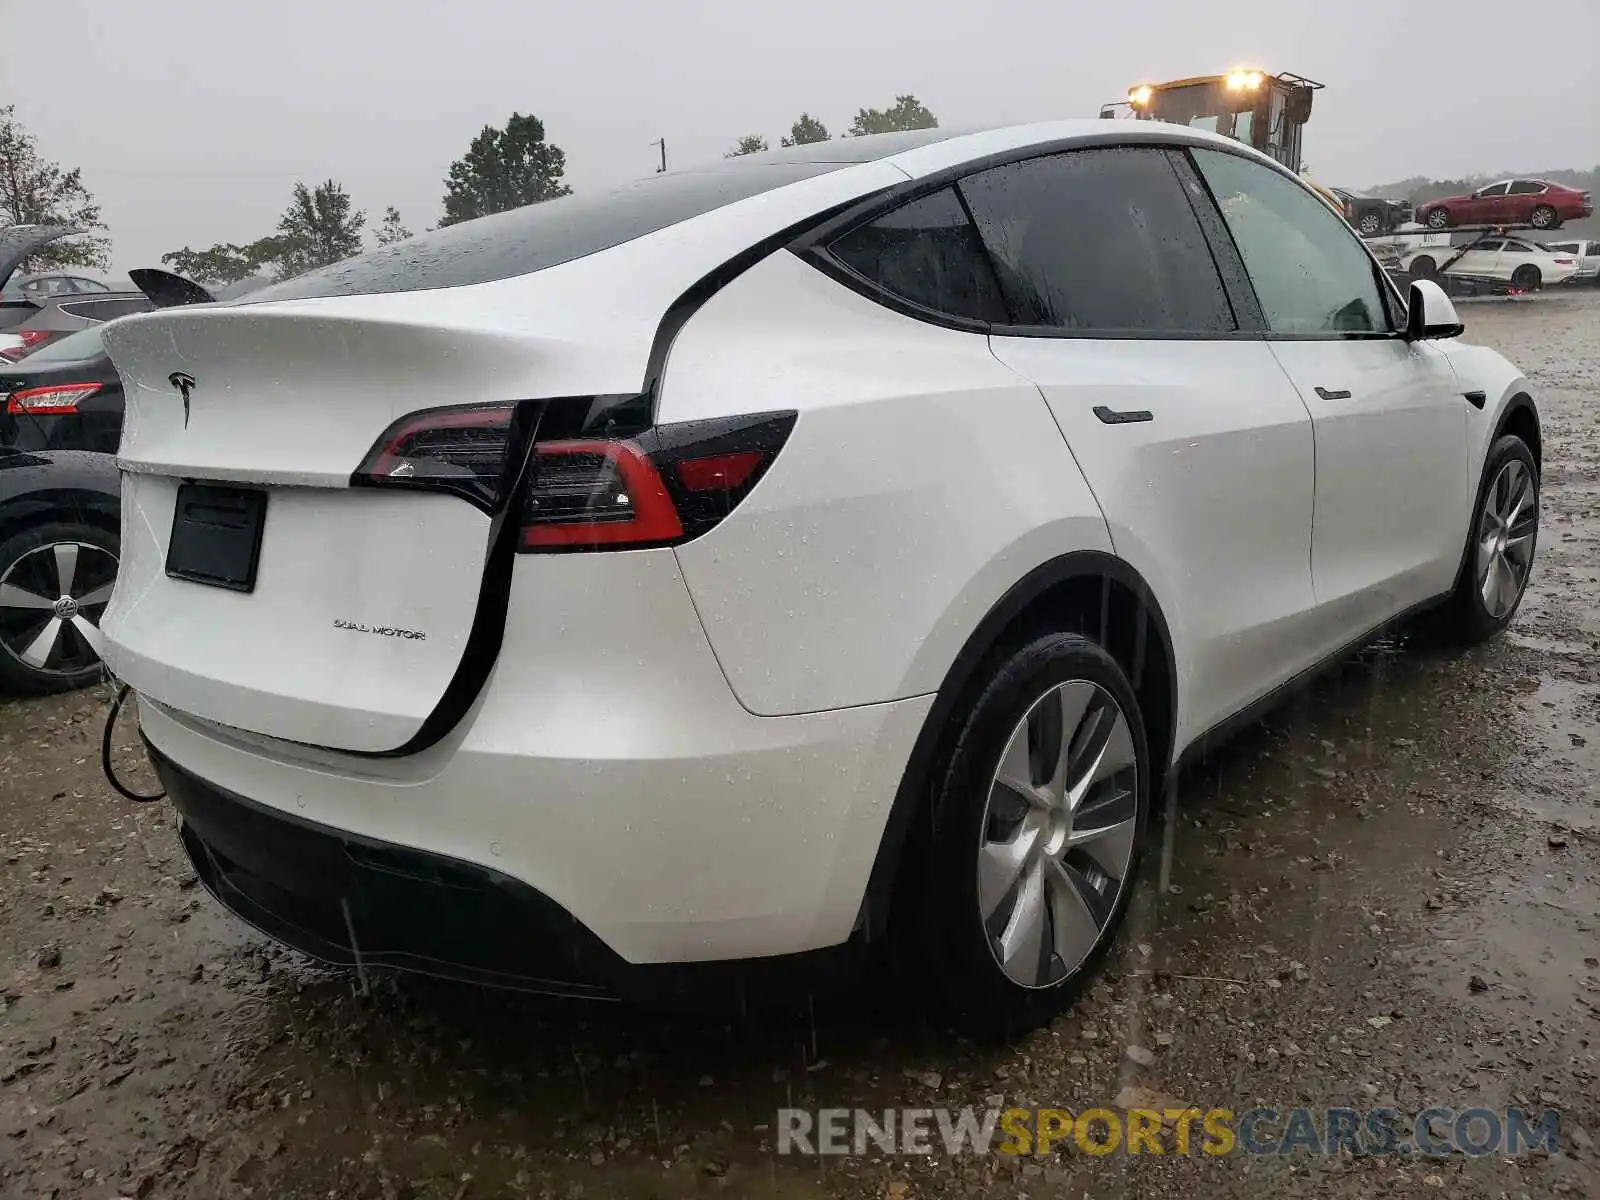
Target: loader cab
<point x="1267" y="112"/>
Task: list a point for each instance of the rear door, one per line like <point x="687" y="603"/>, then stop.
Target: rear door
<point x="1389" y="416"/>
<point x="1196" y="446"/>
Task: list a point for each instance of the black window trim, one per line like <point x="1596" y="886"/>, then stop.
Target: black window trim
<point x="1265" y="332"/>
<point x="812" y="247"/>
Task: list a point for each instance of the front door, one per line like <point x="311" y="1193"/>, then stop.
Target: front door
<point x="1390" y="421"/>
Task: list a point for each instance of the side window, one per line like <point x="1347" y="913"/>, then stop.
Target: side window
<point x="1310" y="272"/>
<point x="1100" y="239"/>
<point x="926" y="252"/>
<point x="1526" y="187"/>
<point x="1495" y="189"/>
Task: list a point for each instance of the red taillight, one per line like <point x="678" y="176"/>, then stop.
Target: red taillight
<point x="1564" y="262"/>
<point x="459" y="450"/>
<point x="663" y="486"/>
<point x="55" y="399"/>
<point x="719" y="471"/>
<point x="32" y="339"/>
<point x="596" y="493"/>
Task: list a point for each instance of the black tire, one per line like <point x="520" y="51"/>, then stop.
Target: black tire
<point x="1527" y="278"/>
<point x="955" y="951"/>
<point x="1439" y="218"/>
<point x="28" y="563"/>
<point x="1469" y="617"/>
<point x="1369" y="223"/>
<point x="1423" y="267"/>
<point x="1544" y="217"/>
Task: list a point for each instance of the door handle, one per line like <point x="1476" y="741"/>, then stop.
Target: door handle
<point x="1476" y="399"/>
<point x="1112" y="417"/>
<point x="1328" y="395"/>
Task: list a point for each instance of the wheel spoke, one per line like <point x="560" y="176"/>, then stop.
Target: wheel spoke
<point x="1075" y="921"/>
<point x="89" y="632"/>
<point x="66" y="565"/>
<point x="1015" y="772"/>
<point x="1000" y="866"/>
<point x="1076" y="702"/>
<point x="1107" y="747"/>
<point x="37" y="652"/>
<point x="12" y="596"/>
<point x="99" y="595"/>
<point x="1104" y="827"/>
<point x="1022" y="942"/>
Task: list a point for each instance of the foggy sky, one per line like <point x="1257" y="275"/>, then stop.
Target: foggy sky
<point x="192" y="119"/>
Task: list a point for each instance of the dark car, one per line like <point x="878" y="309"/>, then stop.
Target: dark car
<point x="59" y="514"/>
<point x="63" y="396"/>
<point x="1373" y="214"/>
<point x="1534" y="202"/>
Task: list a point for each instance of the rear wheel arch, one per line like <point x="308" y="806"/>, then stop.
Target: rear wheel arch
<point x="1088" y="592"/>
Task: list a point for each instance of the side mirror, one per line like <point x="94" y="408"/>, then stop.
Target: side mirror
<point x="1429" y="313"/>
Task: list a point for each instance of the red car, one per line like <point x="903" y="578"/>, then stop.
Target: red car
<point x="1509" y="202"/>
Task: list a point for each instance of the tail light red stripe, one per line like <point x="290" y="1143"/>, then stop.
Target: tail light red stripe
<point x="663" y="486"/>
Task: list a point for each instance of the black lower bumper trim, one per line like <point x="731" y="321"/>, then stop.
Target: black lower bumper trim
<point x="354" y="901"/>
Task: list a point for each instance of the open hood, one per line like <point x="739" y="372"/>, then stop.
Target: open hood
<point x="19" y="241"/>
<point x="167" y="290"/>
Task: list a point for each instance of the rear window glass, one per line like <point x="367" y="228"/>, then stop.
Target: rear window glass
<point x="929" y="253"/>
<point x="106" y="310"/>
<point x="542" y="235"/>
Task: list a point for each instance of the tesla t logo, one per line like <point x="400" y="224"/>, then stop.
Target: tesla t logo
<point x="184" y="382"/>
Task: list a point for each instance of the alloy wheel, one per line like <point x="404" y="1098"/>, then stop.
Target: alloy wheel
<point x="1505" y="538"/>
<point x="51" y="601"/>
<point x="1058" y="833"/>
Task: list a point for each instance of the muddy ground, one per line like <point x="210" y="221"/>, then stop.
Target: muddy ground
<point x="1341" y="877"/>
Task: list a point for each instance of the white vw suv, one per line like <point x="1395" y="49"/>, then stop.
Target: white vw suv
<point x="673" y="591"/>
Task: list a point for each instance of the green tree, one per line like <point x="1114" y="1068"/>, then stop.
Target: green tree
<point x="805" y="131"/>
<point x="750" y="143"/>
<point x="36" y="191"/>
<point x="392" y="230"/>
<point x="320" y="227"/>
<point x="907" y="112"/>
<point x="220" y="264"/>
<point x="504" y="169"/>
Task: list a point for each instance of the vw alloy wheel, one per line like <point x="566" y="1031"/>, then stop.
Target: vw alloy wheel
<point x="1058" y="833"/>
<point x="51" y="600"/>
<point x="1505" y="538"/>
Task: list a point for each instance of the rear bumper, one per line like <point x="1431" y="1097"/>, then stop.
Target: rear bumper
<point x="628" y="788"/>
<point x="359" y="902"/>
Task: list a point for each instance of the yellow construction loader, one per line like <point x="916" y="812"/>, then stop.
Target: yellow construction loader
<point x="1265" y="111"/>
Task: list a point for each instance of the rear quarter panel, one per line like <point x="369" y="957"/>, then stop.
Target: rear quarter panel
<point x="923" y="478"/>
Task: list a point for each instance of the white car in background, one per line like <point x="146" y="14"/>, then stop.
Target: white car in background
<point x="711" y="577"/>
<point x="1495" y="261"/>
<point x="1586" y="251"/>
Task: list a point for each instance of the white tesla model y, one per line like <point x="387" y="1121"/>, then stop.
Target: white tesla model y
<point x="676" y="589"/>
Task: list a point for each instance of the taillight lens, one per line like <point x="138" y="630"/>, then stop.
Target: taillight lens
<point x="32" y="339"/>
<point x="460" y="450"/>
<point x="660" y="487"/>
<point x="663" y="487"/>
<point x="56" y="399"/>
